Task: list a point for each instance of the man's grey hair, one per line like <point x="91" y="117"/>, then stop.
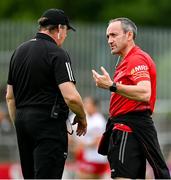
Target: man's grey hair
<point x="127" y="25"/>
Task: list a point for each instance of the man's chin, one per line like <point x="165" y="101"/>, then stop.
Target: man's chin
<point x="113" y="52"/>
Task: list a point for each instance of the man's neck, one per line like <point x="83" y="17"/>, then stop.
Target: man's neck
<point x="127" y="50"/>
<point x="49" y="34"/>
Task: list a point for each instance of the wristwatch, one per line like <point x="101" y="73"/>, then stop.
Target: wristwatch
<point x="113" y="88"/>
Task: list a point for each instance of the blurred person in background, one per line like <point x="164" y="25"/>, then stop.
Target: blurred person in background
<point x="130" y="136"/>
<point x="5" y="123"/>
<point x="90" y="164"/>
<point x="40" y="91"/>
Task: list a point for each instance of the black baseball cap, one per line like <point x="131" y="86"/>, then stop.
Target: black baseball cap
<point x="56" y="17"/>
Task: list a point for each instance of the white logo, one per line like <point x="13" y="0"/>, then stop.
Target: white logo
<point x="141" y="68"/>
<point x="112" y="170"/>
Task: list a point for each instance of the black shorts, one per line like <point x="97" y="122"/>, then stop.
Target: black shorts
<point x="125" y="156"/>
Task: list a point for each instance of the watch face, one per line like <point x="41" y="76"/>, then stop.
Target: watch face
<point x="113" y="87"/>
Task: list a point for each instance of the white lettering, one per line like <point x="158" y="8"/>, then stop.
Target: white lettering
<point x="141" y="68"/>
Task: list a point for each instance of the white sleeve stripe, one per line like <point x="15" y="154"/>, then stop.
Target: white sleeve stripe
<point x="68" y="71"/>
<point x="71" y="71"/>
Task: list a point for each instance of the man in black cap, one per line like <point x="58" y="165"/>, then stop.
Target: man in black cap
<point x="40" y="91"/>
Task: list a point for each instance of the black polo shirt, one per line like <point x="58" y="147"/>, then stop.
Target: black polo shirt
<point x="37" y="67"/>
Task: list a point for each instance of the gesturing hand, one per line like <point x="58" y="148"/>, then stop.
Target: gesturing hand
<point x="102" y="81"/>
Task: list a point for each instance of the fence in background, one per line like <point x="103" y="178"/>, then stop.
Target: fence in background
<point x="88" y="49"/>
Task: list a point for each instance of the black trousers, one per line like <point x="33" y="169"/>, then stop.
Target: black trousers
<point x="42" y="143"/>
<point x="145" y="134"/>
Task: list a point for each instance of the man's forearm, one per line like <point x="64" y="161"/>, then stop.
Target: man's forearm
<point x="76" y="107"/>
<point x="72" y="98"/>
<point x="134" y="92"/>
<point x="11" y="109"/>
<point x="11" y="102"/>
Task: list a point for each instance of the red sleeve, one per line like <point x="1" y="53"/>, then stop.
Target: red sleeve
<point x="138" y="69"/>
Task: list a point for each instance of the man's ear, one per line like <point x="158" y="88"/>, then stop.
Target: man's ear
<point x="59" y="26"/>
<point x="59" y="31"/>
<point x="130" y="35"/>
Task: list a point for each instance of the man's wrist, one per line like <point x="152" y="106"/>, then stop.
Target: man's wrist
<point x="113" y="87"/>
<point x="81" y="116"/>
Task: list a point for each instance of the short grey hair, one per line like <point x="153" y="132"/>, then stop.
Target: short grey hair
<point x="127" y="25"/>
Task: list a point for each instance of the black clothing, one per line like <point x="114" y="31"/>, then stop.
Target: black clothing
<point x="37" y="67"/>
<point x="126" y="156"/>
<point x="42" y="143"/>
<point x="142" y="142"/>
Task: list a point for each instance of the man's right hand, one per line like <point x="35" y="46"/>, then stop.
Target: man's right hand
<point x="74" y="102"/>
<point x="102" y="81"/>
<point x="82" y="125"/>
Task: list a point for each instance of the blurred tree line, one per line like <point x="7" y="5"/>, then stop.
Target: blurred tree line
<point x="143" y="12"/>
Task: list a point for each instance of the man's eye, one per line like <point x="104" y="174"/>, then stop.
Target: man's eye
<point x="114" y="35"/>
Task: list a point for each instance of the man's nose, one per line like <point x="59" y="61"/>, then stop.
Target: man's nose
<point x="110" y="40"/>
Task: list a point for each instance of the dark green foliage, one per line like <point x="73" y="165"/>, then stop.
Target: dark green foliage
<point x="143" y="12"/>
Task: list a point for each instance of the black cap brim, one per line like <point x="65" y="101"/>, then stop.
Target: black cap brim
<point x="70" y="27"/>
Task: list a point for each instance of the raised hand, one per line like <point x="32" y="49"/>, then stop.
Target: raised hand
<point x="102" y="81"/>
